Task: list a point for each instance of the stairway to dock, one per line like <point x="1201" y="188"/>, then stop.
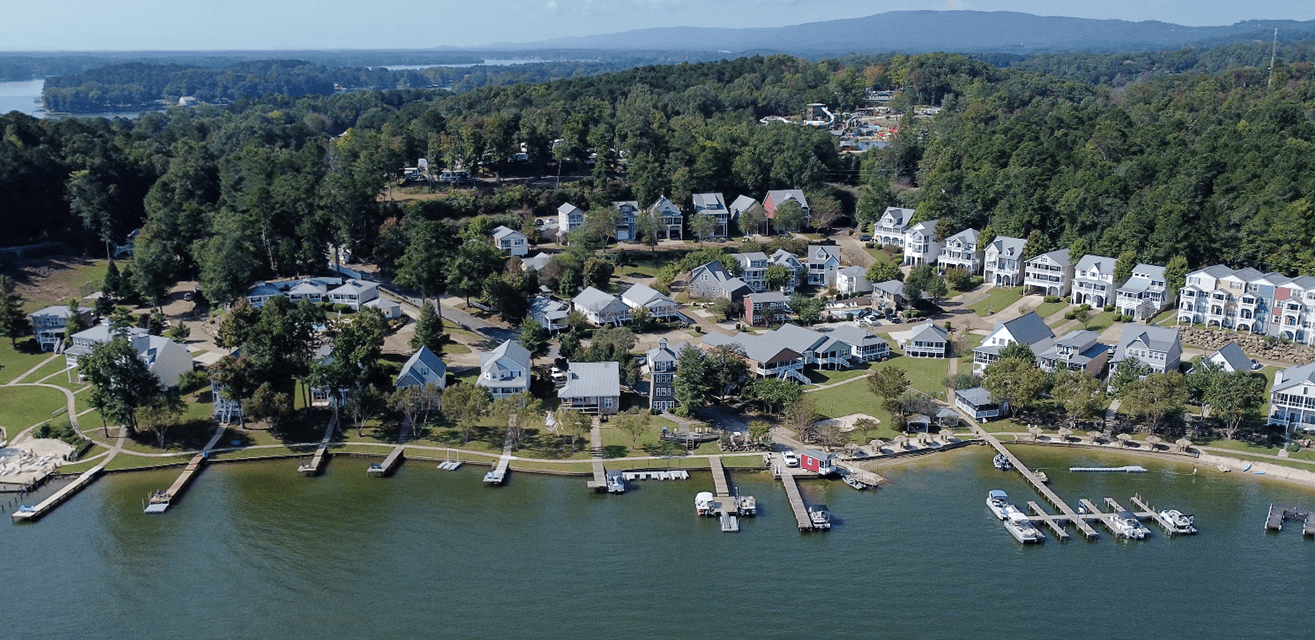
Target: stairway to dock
<point x="599" y="483"/>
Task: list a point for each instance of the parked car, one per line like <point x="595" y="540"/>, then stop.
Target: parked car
<point x="791" y="458"/>
<point x="865" y="238"/>
<point x="1255" y="365"/>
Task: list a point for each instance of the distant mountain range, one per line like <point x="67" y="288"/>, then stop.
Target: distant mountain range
<point x="924" y="31"/>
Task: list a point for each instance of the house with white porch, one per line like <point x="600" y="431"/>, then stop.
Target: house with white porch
<point x="961" y="252"/>
<point x="823" y="264"/>
<point x="925" y="340"/>
<point x="1144" y="294"/>
<point x="592" y="387"/>
<point x="753" y="266"/>
<point x="766" y="358"/>
<point x="642" y="296"/>
<point x="978" y="403"/>
<point x="354" y="293"/>
<point x="48" y="324"/>
<point x="713" y="205"/>
<point x="863" y="346"/>
<point x="819" y="349"/>
<point x="163" y="357"/>
<point x="424" y="367"/>
<point x="601" y="308"/>
<point x="1003" y="262"/>
<point x="852" y="281"/>
<point x="1093" y="281"/>
<point x="791" y="262"/>
<point x="1292" y="398"/>
<point x="505" y="371"/>
<point x="673" y="219"/>
<point x="890" y="229"/>
<point x="766" y="308"/>
<point x="1050" y="274"/>
<point x="920" y="243"/>
<point x="1029" y="329"/>
<point x="549" y="313"/>
<point x="511" y="241"/>
<point x="1156" y="347"/>
<point x="1076" y="350"/>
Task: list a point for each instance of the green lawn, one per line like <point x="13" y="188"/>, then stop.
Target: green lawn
<point x="925" y="374"/>
<point x="1264" y="449"/>
<point x="821" y="377"/>
<point x="50" y="368"/>
<point x="1047" y="309"/>
<point x="996" y="300"/>
<point x="1166" y="317"/>
<point x="1269" y="384"/>
<point x="970" y="341"/>
<point x="15" y="360"/>
<point x="22" y="407"/>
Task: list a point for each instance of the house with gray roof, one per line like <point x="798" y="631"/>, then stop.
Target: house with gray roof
<point x="627" y="215"/>
<point x="642" y="296"/>
<point x="925" y="340"/>
<point x="48" y="324"/>
<point x="1144" y="294"/>
<point x="601" y="308"/>
<point x="888" y="294"/>
<point x="1003" y="262"/>
<point x="739" y="206"/>
<point x="977" y="402"/>
<point x="661" y="362"/>
<point x="1050" y="274"/>
<point x="424" y="367"/>
<point x="753" y="266"/>
<point x="823" y="264"/>
<point x="389" y="309"/>
<point x="1029" y="329"/>
<point x="766" y="308"/>
<point x="1077" y="350"/>
<point x="569" y="218"/>
<point x="511" y="241"/>
<point x="711" y="280"/>
<point x="1231" y="358"/>
<point x="791" y="262"/>
<point x="505" y="371"/>
<point x="921" y="245"/>
<point x="592" y="387"/>
<point x="863" y="346"/>
<point x="1093" y="281"/>
<point x="354" y="293"/>
<point x="767" y="358"/>
<point x="852" y="280"/>
<point x="549" y="313"/>
<point x="673" y="219"/>
<point x="820" y="349"/>
<point x="296" y="289"/>
<point x="1290" y="404"/>
<point x="536" y="263"/>
<point x="961" y="251"/>
<point x="779" y="197"/>
<point x="890" y="229"/>
<point x="163" y="357"/>
<point x="1156" y="347"/>
<point x="713" y="205"/>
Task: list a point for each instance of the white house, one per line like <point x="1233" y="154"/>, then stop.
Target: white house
<point x="821" y="349"/>
<point x="505" y="371"/>
<point x="354" y="293"/>
<point x="1003" y="264"/>
<point x="1156" y="347"/>
<point x="713" y="205"/>
<point x="852" y="280"/>
<point x="1050" y="273"/>
<point x="961" y="251"/>
<point x="1093" y="282"/>
<point x="1144" y="294"/>
<point x="642" y="296"/>
<point x="536" y="263"/>
<point x="977" y="402"/>
<point x="1292" y="398"/>
<point x="892" y="226"/>
<point x="388" y="308"/>
<point x="592" y="387"/>
<point x="549" y="313"/>
<point x="767" y="358"/>
<point x="673" y="219"/>
<point x="511" y="241"/>
<point x="167" y="359"/>
<point x="823" y="264"/>
<point x="753" y="266"/>
<point x="1030" y="330"/>
<point x="925" y="340"/>
<point x="920" y="243"/>
<point x="422" y="368"/>
<point x="1231" y="358"/>
<point x="863" y="346"/>
<point x="601" y="308"/>
<point x="569" y="218"/>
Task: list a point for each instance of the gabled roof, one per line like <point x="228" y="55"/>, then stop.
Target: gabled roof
<point x="740" y="205"/>
<point x="1155" y="338"/>
<point x="901" y="215"/>
<point x="595" y="300"/>
<point x="1004" y="244"/>
<point x="747" y="259"/>
<point x="382" y="303"/>
<point x="797" y="338"/>
<point x="645" y="296"/>
<point x="976" y="396"/>
<point x="1029" y="329"/>
<point x="549" y="308"/>
<point x="779" y="196"/>
<point x="569" y="208"/>
<point x="510" y="350"/>
<point x="1059" y="257"/>
<point x="411" y="374"/>
<point x="766" y="297"/>
<point x="926" y="227"/>
<point x="1293" y="377"/>
<point x="820" y="253"/>
<point x="1077" y="338"/>
<point x="58" y="311"/>
<point x="503" y="232"/>
<point x="855" y="336"/>
<point x="1149" y="271"/>
<point x="626" y="207"/>
<point x="853" y="272"/>
<point x="967" y="236"/>
<point x="664" y="203"/>
<point x="1233" y="355"/>
<point x="101" y="333"/>
<point x="1100" y="263"/>
<point x="664" y="352"/>
<point x="307" y="287"/>
<point x="756" y="348"/>
<point x="536" y="263"/>
<point x="892" y="287"/>
<point x="711" y="202"/>
<point x="354" y="287"/>
<point x="928" y="331"/>
<point x="591" y="380"/>
<point x="1215" y="271"/>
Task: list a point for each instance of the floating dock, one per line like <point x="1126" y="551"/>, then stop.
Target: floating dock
<point x="31" y="514"/>
<point x="1278" y="513"/>
<point x="1164" y="523"/>
<point x="316" y="463"/>
<point x="1067" y="513"/>
<point x="673" y="474"/>
<point x="729" y="506"/>
<point x="383" y="469"/>
<point x="1132" y="468"/>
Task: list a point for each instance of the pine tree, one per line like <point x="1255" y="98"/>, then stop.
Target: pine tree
<point x="13" y="322"/>
<point x="429" y="331"/>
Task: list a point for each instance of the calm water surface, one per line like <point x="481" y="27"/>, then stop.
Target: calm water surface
<point x="253" y="551"/>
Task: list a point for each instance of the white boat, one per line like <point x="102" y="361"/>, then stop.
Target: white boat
<point x="853" y="482"/>
<point x="998" y="502"/>
<point x="1177" y="523"/>
<point x="703" y="503"/>
<point x="1001" y="462"/>
<point x="820" y="515"/>
<point x="1022" y="529"/>
<point x="615" y="483"/>
<point x="1127" y="526"/>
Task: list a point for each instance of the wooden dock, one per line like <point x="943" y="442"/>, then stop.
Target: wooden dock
<point x="161" y="500"/>
<point x="1279" y="513"/>
<point x="499" y="473"/>
<point x="1056" y="523"/>
<point x="1069" y="515"/>
<point x="64" y="493"/>
<point x="383" y="469"/>
<point x="720" y="485"/>
<point x="786" y="474"/>
<point x="316" y="463"/>
<point x="599" y="483"/>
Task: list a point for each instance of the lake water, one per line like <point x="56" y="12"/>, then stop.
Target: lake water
<point x="22" y="96"/>
<point x="486" y="63"/>
<point x="253" y="551"/>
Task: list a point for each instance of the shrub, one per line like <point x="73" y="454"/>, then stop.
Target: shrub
<point x="1109" y="308"/>
<point x="1085" y="307"/>
<point x="1052" y="299"/>
<point x="1070" y="315"/>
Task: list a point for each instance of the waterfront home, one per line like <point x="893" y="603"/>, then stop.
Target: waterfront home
<point x="766" y="308"/>
<point x="1049" y="273"/>
<point x="852" y="281"/>
<point x="1156" y="347"/>
<point x="389" y="309"/>
<point x="711" y="280"/>
<point x="753" y="266"/>
<point x="321" y="396"/>
<point x="790" y="261"/>
<point x="81" y="343"/>
<point x="925" y="340"/>
<point x="627" y="215"/>
<point x="863" y="346"/>
<point x="713" y="205"/>
<point x="592" y="387"/>
<point x="779" y="197"/>
<point x="817" y="461"/>
<point x="1093" y="281"/>
<point x="921" y="245"/>
<point x="739" y="206"/>
<point x="354" y="293"/>
<point x="662" y="361"/>
<point x="549" y="313"/>
<point x="1292" y="398"/>
<point x="225" y="409"/>
<point x="642" y="296"/>
<point x="569" y="218"/>
<point x="1029" y="329"/>
<point x="49" y="324"/>
<point x="818" y="349"/>
<point x="673" y="219"/>
<point x="977" y="402"/>
<point x="536" y="263"/>
<point x="960" y="251"/>
<point x="889" y="294"/>
<point x="1077" y="350"/>
<point x="890" y="229"/>
<point x="505" y="371"/>
<point x="1248" y="300"/>
<point x="766" y="358"/>
<point x="163" y="357"/>
<point x="601" y="308"/>
<point x="424" y="367"/>
<point x="296" y="290"/>
<point x="1003" y="262"/>
<point x="511" y="241"/>
<point x="823" y="263"/>
<point x="1144" y="293"/>
<point x="308" y="290"/>
<point x="1230" y="358"/>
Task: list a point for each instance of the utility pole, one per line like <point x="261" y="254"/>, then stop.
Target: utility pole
<point x="1273" y="52"/>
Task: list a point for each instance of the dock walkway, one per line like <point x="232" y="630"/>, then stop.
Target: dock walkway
<point x="499" y="473"/>
<point x="1053" y="498"/>
<point x="395" y="457"/>
<point x="65" y="492"/>
<point x="1278" y="513"/>
<point x="792" y="493"/>
<point x="317" y="462"/>
<point x="721" y="487"/>
<point x="162" y="500"/>
<point x="599" y="483"/>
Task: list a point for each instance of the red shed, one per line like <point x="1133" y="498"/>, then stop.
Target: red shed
<point x="817" y="462"/>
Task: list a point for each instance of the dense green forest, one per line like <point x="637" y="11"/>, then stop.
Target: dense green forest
<point x="1213" y="165"/>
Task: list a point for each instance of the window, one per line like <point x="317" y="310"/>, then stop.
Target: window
<point x="607" y="401"/>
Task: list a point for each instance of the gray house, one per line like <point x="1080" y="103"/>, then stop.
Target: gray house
<point x="1030" y="330"/>
<point x="422" y="368"/>
<point x="926" y="341"/>
<point x="505" y="371"/>
<point x="1076" y="350"/>
<point x="48" y="324"/>
<point x="713" y="205"/>
<point x="601" y="308"/>
<point x="661" y="361"/>
<point x="592" y="387"/>
<point x="1156" y="347"/>
<point x="713" y="281"/>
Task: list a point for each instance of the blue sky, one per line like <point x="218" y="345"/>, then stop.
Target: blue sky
<point x="32" y="25"/>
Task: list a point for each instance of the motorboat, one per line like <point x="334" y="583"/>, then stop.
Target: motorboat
<point x="820" y="516"/>
<point x="615" y="482"/>
<point x="998" y="501"/>
<point x="1177" y="522"/>
<point x="1001" y="462"/>
<point x="854" y="482"/>
<point x="1022" y="529"/>
<point x="703" y="503"/>
<point x="1127" y="526"/>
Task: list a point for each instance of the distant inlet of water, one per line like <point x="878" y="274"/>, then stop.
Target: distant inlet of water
<point x="253" y="550"/>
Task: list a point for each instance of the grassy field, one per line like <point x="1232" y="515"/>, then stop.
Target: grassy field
<point x="15" y="360"/>
<point x="1165" y="319"/>
<point x="64" y="284"/>
<point x="22" y="407"/>
<point x="925" y="374"/>
<point x="822" y="377"/>
<point x="996" y="300"/>
<point x="1047" y="309"/>
<point x="1264" y="449"/>
<point x="970" y="341"/>
<point x="1269" y="372"/>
